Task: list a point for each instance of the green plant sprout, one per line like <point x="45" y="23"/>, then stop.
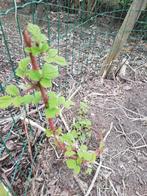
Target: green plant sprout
<point x="38" y="80"/>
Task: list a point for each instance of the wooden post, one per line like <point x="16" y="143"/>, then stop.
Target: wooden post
<point x="128" y="24"/>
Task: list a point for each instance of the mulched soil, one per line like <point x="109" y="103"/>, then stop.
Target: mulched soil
<point x="117" y="107"/>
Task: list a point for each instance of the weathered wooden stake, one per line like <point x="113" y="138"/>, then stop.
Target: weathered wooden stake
<point x="132" y="16"/>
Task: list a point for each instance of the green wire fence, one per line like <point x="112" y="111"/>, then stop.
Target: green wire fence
<point x="82" y="36"/>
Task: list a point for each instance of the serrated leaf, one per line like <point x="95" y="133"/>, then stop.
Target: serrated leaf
<point x="53" y="100"/>
<point x="17" y="101"/>
<point x="22" y="68"/>
<point x="20" y="73"/>
<point x="52" y="112"/>
<point x="50" y="71"/>
<point x="24" y="63"/>
<point x="46" y="83"/>
<point x="57" y="60"/>
<point x="27" y="99"/>
<point x="77" y="169"/>
<point x="35" y="50"/>
<point x="36" y="33"/>
<point x="33" y="28"/>
<point x="36" y="97"/>
<point x="48" y="133"/>
<point x="71" y="164"/>
<point x="73" y="134"/>
<point x="68" y="138"/>
<point x="27" y="50"/>
<point x="83" y="107"/>
<point x="69" y="153"/>
<point x="68" y="103"/>
<point x="83" y="148"/>
<point x="5" y="101"/>
<point x="61" y="100"/>
<point x="12" y="90"/>
<point x="34" y="75"/>
<point x="60" y="60"/>
<point x="52" y="53"/>
<point x="79" y="161"/>
<point x="44" y="47"/>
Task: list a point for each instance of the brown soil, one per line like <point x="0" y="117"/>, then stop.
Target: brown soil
<point x="121" y="108"/>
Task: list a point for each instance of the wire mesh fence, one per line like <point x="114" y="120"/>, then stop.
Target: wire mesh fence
<point x="82" y="35"/>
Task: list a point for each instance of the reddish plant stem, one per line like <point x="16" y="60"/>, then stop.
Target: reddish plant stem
<point x="35" y="66"/>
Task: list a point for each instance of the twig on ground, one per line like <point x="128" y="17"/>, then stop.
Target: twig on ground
<point x="105" y="167"/>
<point x="64" y="122"/>
<point x="115" y="191"/>
<point x="83" y="185"/>
<point x="138" y="147"/>
<point x="58" y="156"/>
<point x="32" y="123"/>
<point x="94" y="178"/>
<point x="111" y="126"/>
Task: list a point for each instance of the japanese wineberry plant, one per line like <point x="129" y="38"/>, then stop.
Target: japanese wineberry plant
<point x="38" y="78"/>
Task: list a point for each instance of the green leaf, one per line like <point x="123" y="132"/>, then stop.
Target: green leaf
<point x="24" y="63"/>
<point x="52" y="112"/>
<point x="36" y="33"/>
<point x="71" y="164"/>
<point x="28" y="50"/>
<point x="69" y="153"/>
<point x="79" y="161"/>
<point x="46" y="83"/>
<point x="83" y="107"/>
<point x="34" y="29"/>
<point x="83" y="148"/>
<point x="44" y="47"/>
<point x="89" y="171"/>
<point x="68" y="103"/>
<point x="57" y="59"/>
<point x="68" y="138"/>
<point x="27" y="99"/>
<point x="34" y="75"/>
<point x="74" y="133"/>
<point x="36" y="98"/>
<point x="77" y="169"/>
<point x="3" y="190"/>
<point x="60" y="60"/>
<point x="20" y="73"/>
<point x="48" y="133"/>
<point x="85" y="123"/>
<point x="52" y="53"/>
<point x="5" y="101"/>
<point x="12" y="90"/>
<point x="22" y="68"/>
<point x="53" y="100"/>
<point x="35" y="50"/>
<point x="61" y="100"/>
<point x="17" y="101"/>
<point x="50" y="71"/>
